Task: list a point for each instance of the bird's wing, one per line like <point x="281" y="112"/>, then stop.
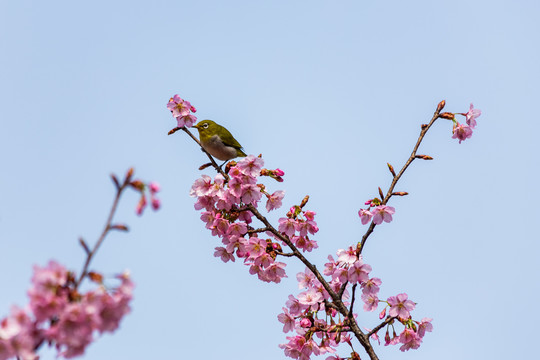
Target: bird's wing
<point x="228" y="139"/>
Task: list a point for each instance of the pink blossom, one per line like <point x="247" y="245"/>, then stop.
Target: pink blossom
<point x="310" y="215"/>
<point x="461" y="132"/>
<point x="287" y="319"/>
<point x="305" y="279"/>
<point x="274" y="200"/>
<point x="186" y="120"/>
<point x="48" y="295"/>
<point x="294" y="306"/>
<point x="233" y="243"/>
<point x="425" y="325"/>
<point x="256" y="247"/>
<point x="371" y="286"/>
<point x="383" y="213"/>
<point x="310" y="297"/>
<point x="251" y="194"/>
<point x="264" y="260"/>
<point x="359" y="272"/>
<point x="220" y="226"/>
<point x="237" y="228"/>
<point x="287" y="226"/>
<point x="304" y="243"/>
<point x="341" y="275"/>
<point x="471" y="116"/>
<point x="365" y="216"/>
<point x="113" y="307"/>
<point x="330" y="266"/>
<point x="178" y="106"/>
<point x="273" y="273"/>
<point x="245" y="216"/>
<point x="201" y="186"/>
<point x="347" y="256"/>
<point x="294" y="347"/>
<point x="400" y="306"/>
<point x="305" y="323"/>
<point x="18" y="336"/>
<point x="409" y="339"/>
<point x="251" y="165"/>
<point x="224" y="254"/>
<point x="371" y="302"/>
<point x="204" y="202"/>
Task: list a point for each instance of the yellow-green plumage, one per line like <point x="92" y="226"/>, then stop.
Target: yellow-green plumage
<point x="218" y="141"/>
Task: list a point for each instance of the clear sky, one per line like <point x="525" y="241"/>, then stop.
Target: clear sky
<point x="328" y="91"/>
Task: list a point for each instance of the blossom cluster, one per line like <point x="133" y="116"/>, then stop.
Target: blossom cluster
<point x="301" y="313"/>
<point x="61" y="316"/>
<point x="225" y="203"/>
<point x="312" y="314"/>
<point x="182" y="110"/>
<point x="464" y="131"/>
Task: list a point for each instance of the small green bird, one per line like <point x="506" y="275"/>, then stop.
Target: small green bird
<point x="218" y="141"/>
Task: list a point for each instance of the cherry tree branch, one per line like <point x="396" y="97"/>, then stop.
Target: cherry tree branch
<point x="389" y="193"/>
<point x="108" y="226"/>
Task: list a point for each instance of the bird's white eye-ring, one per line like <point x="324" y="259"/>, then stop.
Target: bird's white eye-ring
<point x="205" y="126"/>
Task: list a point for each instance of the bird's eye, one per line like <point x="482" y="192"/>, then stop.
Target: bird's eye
<point x="205" y="126"/>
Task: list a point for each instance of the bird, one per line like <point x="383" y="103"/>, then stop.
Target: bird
<point x="218" y="141"/>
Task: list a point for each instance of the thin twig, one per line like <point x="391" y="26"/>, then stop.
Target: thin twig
<point x="380" y="326"/>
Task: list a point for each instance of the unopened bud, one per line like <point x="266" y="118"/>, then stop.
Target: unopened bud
<point x="424" y="157"/>
<point x="172" y="131"/>
<point x="400" y="193"/>
<point x="129" y="174"/>
<point x="95" y="277"/>
<point x="424" y="126"/>
<point x="447" y="115"/>
<point x="441" y="105"/>
<point x="381" y="193"/>
<point x="137" y="185"/>
<point x="382" y="314"/>
<point x="391" y="168"/>
<point x="120" y="227"/>
<point x="304" y="201"/>
<point x="204" y="166"/>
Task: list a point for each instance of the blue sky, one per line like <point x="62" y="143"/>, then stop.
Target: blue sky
<point x="327" y="91"/>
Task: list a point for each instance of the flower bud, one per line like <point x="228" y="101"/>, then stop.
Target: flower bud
<point x="391" y="168"/>
<point x="400" y="193"/>
<point x="441" y="105"/>
<point x="447" y="115"/>
<point x="204" y="166"/>
<point x="95" y="277"/>
<point x="304" y="201"/>
<point x="129" y="174"/>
